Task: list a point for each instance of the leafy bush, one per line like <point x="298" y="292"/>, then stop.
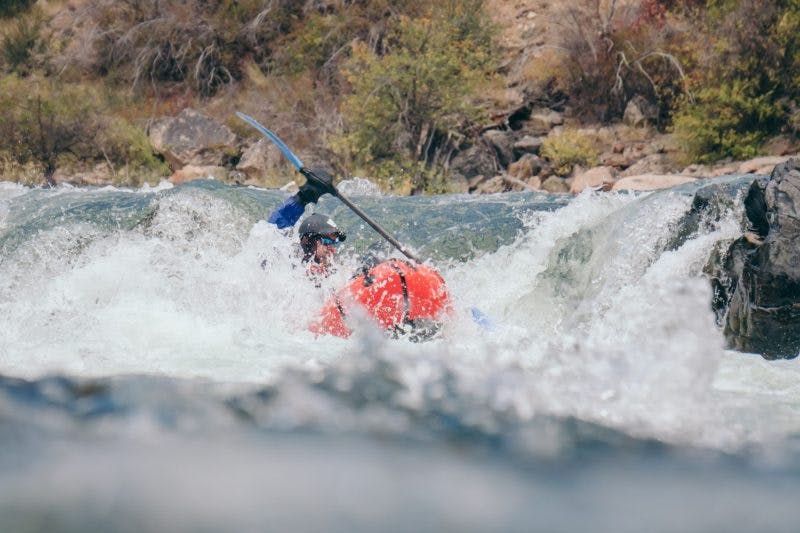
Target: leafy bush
<point x="725" y="121"/>
<point x="405" y="177"/>
<point x="323" y="36"/>
<point x="567" y="149"/>
<point x="126" y="147"/>
<point x="47" y="123"/>
<point x="320" y="38"/>
<point x="407" y="103"/>
<point x="747" y="79"/>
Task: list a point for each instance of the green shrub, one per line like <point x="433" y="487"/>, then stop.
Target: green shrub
<point x="726" y="121"/>
<point x="127" y="148"/>
<point x="567" y="149"/>
<point x="40" y="122"/>
<point x="406" y="104"/>
<point x="315" y="42"/>
<point x="408" y="177"/>
<point x="746" y="79"/>
<point x="323" y="36"/>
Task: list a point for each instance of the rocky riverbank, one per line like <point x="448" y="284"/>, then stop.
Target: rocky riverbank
<point x="525" y="95"/>
<point x="508" y="157"/>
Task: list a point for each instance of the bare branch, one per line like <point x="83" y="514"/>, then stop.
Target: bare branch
<point x="671" y="59"/>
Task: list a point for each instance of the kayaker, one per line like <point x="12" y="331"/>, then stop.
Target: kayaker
<point x="402" y="297"/>
<point x="319" y="234"/>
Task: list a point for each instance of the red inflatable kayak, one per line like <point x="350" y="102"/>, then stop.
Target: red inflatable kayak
<point x="400" y="296"/>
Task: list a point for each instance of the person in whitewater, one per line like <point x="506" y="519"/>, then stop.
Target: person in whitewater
<point x="319" y="234"/>
<point x="319" y="238"/>
<point x="402" y="297"/>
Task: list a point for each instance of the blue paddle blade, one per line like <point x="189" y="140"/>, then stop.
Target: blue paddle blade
<point x="480" y="318"/>
<point x="293" y="159"/>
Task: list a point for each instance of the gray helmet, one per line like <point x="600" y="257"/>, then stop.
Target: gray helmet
<point x="317" y="224"/>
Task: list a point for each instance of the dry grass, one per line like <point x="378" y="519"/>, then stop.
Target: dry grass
<point x="145" y="43"/>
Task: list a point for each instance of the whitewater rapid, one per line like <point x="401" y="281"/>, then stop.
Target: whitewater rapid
<point x="592" y="317"/>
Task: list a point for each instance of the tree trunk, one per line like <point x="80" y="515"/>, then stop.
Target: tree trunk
<point x="49" y="172"/>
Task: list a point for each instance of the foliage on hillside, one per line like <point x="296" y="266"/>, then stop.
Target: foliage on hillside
<point x="388" y="88"/>
<point x="567" y="149"/>
<point x="746" y="81"/>
<point x="48" y="124"/>
<point x="409" y="104"/>
<point x="612" y="52"/>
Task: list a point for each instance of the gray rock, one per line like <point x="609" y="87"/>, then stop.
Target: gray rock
<point x="491" y="186"/>
<point x="650" y="164"/>
<point x="262" y="162"/>
<point x="192" y="138"/>
<point x="477" y="160"/>
<point x="617" y="160"/>
<point x="592" y="178"/>
<point x="761" y="271"/>
<point x="650" y="182"/>
<point x="530" y="165"/>
<point x="192" y="172"/>
<point x="532" y="183"/>
<point x="794" y="118"/>
<point x="527" y="145"/>
<point x="502" y="142"/>
<point x="555" y="185"/>
<point x="543" y="120"/>
<point x="639" y="112"/>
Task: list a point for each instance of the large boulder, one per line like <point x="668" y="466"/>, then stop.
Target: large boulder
<point x="192" y="138"/>
<point x="529" y="144"/>
<point x="530" y="165"/>
<point x="261" y="163"/>
<point x="503" y="143"/>
<point x="639" y="112"/>
<point x="761" y="165"/>
<point x="492" y="185"/>
<point x="542" y="120"/>
<point x="555" y="185"/>
<point x="479" y="160"/>
<point x="594" y="178"/>
<point x="762" y="278"/>
<point x="650" y="164"/>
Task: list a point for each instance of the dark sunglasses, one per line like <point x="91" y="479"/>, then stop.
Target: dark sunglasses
<point x="327" y="241"/>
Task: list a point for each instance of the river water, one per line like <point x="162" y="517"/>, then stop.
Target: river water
<point x="157" y="373"/>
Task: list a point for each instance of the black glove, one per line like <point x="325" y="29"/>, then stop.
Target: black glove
<point x="318" y="184"/>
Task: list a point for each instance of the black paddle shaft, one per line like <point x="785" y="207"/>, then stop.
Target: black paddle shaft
<point x="346" y="201"/>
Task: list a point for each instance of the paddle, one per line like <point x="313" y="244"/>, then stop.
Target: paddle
<point x="294" y="160"/>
